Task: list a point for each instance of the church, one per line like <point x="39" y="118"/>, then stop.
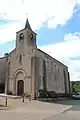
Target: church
<point x="27" y="69"/>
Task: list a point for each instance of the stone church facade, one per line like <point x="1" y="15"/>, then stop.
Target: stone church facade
<point x="27" y="69"/>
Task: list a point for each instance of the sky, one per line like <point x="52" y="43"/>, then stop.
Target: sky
<point x="56" y="22"/>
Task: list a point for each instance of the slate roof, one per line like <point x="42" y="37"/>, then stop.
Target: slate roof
<point x="27" y="25"/>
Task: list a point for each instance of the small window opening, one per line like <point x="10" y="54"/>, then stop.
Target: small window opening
<point x="20" y="59"/>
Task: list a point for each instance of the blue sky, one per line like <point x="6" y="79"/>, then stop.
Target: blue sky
<point x="57" y="27"/>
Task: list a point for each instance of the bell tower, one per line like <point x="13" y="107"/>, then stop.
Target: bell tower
<point x="25" y="39"/>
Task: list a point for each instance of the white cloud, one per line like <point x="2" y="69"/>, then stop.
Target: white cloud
<point x="78" y="1"/>
<point x="69" y="48"/>
<point x="58" y="11"/>
<point x="39" y="11"/>
<point x="75" y="36"/>
<point x="8" y="32"/>
<point x="63" y="52"/>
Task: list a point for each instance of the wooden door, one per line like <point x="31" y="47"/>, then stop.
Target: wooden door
<point x="20" y="87"/>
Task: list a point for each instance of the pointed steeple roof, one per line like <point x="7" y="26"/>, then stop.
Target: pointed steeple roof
<point x="27" y="25"/>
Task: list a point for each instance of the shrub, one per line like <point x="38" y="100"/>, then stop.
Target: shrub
<point x="47" y="94"/>
<point x="10" y="93"/>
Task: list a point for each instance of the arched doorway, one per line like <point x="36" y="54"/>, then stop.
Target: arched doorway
<point x="20" y="87"/>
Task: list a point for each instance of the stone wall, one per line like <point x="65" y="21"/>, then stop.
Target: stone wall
<point x="16" y="67"/>
<point x="2" y="70"/>
<point x="55" y="80"/>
